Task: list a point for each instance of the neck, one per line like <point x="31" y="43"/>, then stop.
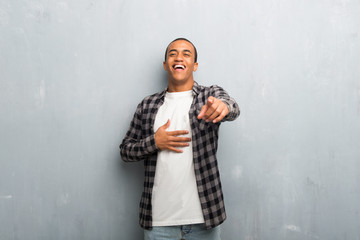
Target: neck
<point x="180" y="87"/>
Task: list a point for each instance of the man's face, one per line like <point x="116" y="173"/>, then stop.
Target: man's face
<point x="180" y="63"/>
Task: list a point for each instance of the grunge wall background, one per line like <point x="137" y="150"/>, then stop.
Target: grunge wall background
<point x="73" y="72"/>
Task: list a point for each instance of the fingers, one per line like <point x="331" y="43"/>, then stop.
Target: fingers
<point x="178" y="132"/>
<point x="220" y="117"/>
<point x="214" y="110"/>
<point x="210" y="101"/>
<point x="214" y="115"/>
<point x="203" y="111"/>
<point x="177" y="150"/>
<point x="174" y="133"/>
<point x="180" y="139"/>
<point x="171" y="140"/>
<point x="209" y="109"/>
<point x="177" y="143"/>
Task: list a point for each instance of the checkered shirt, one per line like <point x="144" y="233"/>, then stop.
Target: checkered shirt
<point x="139" y="144"/>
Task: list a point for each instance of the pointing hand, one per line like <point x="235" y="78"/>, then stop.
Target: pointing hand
<point x="214" y="110"/>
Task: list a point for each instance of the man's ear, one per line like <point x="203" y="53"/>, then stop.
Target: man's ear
<point x="164" y="65"/>
<point x="195" y="66"/>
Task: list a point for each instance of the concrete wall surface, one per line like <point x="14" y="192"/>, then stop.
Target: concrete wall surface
<point x="73" y="72"/>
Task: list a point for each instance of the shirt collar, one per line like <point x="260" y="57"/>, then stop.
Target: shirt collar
<point x="196" y="88"/>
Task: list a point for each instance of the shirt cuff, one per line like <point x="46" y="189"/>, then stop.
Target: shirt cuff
<point x="230" y="108"/>
<point x="150" y="145"/>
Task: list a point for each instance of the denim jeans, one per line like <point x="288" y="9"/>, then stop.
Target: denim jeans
<point x="186" y="232"/>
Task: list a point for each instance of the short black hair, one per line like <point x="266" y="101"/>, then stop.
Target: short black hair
<point x="184" y="39"/>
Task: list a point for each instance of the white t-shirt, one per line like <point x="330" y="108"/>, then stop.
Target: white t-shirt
<point x="175" y="198"/>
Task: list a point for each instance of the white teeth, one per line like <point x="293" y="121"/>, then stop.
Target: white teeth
<point x="179" y="66"/>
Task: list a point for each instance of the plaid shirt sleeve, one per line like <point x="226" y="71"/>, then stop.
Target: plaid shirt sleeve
<point x="221" y="94"/>
<point x="135" y="146"/>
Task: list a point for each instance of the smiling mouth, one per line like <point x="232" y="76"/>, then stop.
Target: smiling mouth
<point x="179" y="67"/>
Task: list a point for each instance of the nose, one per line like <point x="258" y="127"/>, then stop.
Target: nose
<point x="179" y="58"/>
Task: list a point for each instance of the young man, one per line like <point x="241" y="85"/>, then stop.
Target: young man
<point x="175" y="133"/>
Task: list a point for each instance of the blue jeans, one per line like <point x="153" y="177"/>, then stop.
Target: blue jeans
<point x="185" y="232"/>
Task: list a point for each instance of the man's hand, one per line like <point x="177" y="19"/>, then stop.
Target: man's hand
<point x="169" y="140"/>
<point x="214" y="110"/>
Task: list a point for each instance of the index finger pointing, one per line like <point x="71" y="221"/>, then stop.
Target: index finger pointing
<point x="202" y="112"/>
<point x="210" y="101"/>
